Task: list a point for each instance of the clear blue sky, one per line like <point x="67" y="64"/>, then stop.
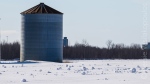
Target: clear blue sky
<point x="93" y="20"/>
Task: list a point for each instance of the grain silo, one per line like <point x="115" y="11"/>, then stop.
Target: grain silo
<point x="65" y="42"/>
<point x="42" y="30"/>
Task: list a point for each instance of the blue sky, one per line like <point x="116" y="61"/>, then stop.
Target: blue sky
<point x="93" y="20"/>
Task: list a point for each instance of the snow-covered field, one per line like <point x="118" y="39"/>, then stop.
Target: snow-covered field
<point x="77" y="72"/>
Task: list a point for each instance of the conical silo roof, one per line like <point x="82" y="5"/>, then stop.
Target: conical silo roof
<point x="41" y="9"/>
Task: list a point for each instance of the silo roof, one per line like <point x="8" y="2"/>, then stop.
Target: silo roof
<point x="41" y="9"/>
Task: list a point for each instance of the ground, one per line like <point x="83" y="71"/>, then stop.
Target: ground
<point x="77" y="72"/>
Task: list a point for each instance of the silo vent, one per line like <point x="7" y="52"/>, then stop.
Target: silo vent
<point x="41" y="3"/>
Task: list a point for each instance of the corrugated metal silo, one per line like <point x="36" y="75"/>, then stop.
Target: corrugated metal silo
<point x="42" y="30"/>
<point x="65" y="42"/>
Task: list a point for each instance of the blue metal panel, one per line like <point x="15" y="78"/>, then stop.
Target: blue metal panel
<point x="42" y="37"/>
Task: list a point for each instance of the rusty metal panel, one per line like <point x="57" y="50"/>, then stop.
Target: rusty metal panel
<point x="41" y="9"/>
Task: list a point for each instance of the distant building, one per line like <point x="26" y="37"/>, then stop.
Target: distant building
<point x="146" y="46"/>
<point x="65" y="42"/>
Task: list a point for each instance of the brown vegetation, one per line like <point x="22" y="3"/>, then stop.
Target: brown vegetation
<point x="85" y="51"/>
<point x="113" y="51"/>
<point x="10" y="50"/>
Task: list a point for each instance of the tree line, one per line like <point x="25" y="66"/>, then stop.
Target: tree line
<point x="85" y="51"/>
<point x="113" y="51"/>
<point x="10" y="50"/>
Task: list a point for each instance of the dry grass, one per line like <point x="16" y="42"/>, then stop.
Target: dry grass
<point x="67" y="61"/>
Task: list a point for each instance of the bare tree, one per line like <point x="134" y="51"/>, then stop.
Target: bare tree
<point x="109" y="43"/>
<point x="85" y="43"/>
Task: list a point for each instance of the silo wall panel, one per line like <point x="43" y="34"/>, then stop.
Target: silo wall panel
<point x="42" y="37"/>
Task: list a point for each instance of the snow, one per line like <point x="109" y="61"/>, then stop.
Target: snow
<point x="76" y="72"/>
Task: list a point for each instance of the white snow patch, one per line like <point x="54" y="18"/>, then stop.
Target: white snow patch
<point x="76" y="72"/>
